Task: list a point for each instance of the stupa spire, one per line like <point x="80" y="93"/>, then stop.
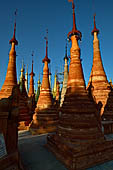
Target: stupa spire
<point x="11" y="77"/>
<point x="98" y="79"/>
<point x="95" y="29"/>
<point x="75" y="80"/>
<point x="46" y="56"/>
<point x="45" y="87"/>
<point x="14" y="36"/>
<point x="74" y="29"/>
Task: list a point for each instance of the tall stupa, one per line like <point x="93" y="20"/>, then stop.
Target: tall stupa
<point x="79" y="142"/>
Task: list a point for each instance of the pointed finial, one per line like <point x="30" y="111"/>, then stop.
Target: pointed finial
<point x="46" y="57"/>
<point x="66" y="51"/>
<point x="32" y="65"/>
<point x="95" y="29"/>
<point x="14" y="39"/>
<point x="74" y="29"/>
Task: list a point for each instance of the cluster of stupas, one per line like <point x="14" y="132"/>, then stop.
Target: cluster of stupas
<point x="79" y="116"/>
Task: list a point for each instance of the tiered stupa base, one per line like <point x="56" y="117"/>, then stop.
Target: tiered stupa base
<point x="44" y="121"/>
<point x="79" y="142"/>
<point x="24" y="114"/>
<point x="80" y="157"/>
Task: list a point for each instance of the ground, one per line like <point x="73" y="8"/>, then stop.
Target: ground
<point x="35" y="156"/>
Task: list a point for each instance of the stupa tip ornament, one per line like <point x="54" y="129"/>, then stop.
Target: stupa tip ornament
<point x="46" y="57"/>
<point x="95" y="28"/>
<point x="66" y="57"/>
<point x="74" y="29"/>
<point x="32" y="73"/>
<point x="14" y="38"/>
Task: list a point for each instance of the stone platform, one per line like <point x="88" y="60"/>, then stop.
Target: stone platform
<point x="35" y="156"/>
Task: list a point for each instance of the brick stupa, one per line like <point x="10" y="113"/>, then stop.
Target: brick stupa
<point x="45" y="117"/>
<point x="98" y="82"/>
<point x="64" y="88"/>
<point x="79" y="142"/>
<point x="11" y="77"/>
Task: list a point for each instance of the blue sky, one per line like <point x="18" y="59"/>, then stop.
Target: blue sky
<point x="35" y="16"/>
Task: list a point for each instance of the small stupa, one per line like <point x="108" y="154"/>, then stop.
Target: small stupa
<point x="45" y="117"/>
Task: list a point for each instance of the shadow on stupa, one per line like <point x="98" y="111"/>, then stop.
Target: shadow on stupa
<point x="107" y="117"/>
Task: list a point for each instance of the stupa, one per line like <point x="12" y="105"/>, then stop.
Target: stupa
<point x="79" y="142"/>
<point x="45" y="117"/>
<point x="11" y="77"/>
<point x="98" y="79"/>
<point x="64" y="88"/>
